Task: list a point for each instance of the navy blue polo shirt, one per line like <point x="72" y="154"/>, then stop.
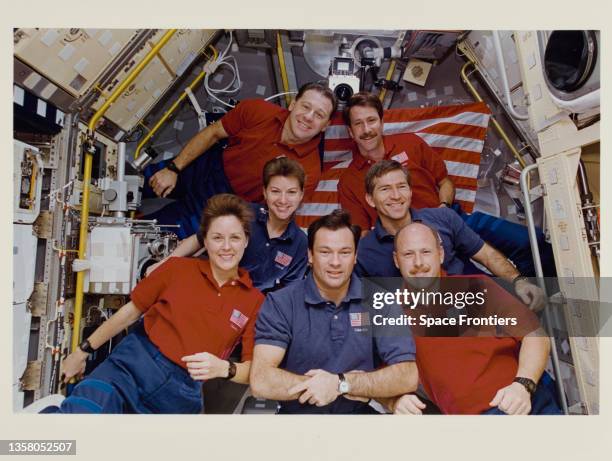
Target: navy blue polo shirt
<point x="375" y="252"/>
<point x="317" y="334"/>
<point x="277" y="262"/>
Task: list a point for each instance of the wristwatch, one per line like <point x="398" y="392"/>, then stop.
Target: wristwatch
<point x="343" y="386"/>
<point x="231" y="370"/>
<point x="529" y="384"/>
<point x="518" y="278"/>
<point x="446" y="204"/>
<point x="172" y="167"/>
<point x="85" y="346"/>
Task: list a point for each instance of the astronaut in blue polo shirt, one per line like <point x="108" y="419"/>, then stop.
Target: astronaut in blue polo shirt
<point x="315" y="348"/>
<point x="388" y="190"/>
<point x="277" y="251"/>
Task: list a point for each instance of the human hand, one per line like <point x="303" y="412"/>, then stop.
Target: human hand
<point x="204" y="365"/>
<point x="320" y="390"/>
<point x="512" y="400"/>
<point x="163" y="182"/>
<point x="530" y="294"/>
<point x="74" y="365"/>
<point x="408" y="404"/>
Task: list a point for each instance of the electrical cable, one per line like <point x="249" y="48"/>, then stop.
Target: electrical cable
<point x="234" y="85"/>
<point x="279" y="94"/>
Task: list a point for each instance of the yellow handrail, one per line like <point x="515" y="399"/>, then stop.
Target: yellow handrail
<point x="281" y="64"/>
<point x="389" y="75"/>
<point x="78" y="302"/>
<point x="496" y="125"/>
<point x="172" y="108"/>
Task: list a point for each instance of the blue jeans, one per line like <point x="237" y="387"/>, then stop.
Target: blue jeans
<point x="135" y="378"/>
<point x="198" y="182"/>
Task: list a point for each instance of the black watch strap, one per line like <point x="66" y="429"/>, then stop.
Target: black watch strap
<point x="231" y="371"/>
<point x="85" y="346"/>
<point x="172" y="167"/>
<point x="529" y="384"/>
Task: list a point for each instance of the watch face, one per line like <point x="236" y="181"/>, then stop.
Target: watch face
<point x="344" y="387"/>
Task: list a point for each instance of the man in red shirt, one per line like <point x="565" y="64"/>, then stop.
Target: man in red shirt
<point x="257" y="131"/>
<point x="430" y="184"/>
<point x="480" y="372"/>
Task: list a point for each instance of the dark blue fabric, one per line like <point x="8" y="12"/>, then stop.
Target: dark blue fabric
<point x="135" y="378"/>
<point x="265" y="258"/>
<point x="375" y="252"/>
<point x="513" y="241"/>
<point x="543" y="401"/>
<point x="316" y="334"/>
<point x="200" y="180"/>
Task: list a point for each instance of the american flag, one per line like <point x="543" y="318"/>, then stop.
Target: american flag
<point x="283" y="259"/>
<point x="456" y="132"/>
<point x="359" y="319"/>
<point x="238" y="318"/>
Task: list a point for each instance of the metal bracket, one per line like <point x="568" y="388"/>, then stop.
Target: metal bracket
<point x="30" y="381"/>
<point x="43" y="225"/>
<point x="37" y="304"/>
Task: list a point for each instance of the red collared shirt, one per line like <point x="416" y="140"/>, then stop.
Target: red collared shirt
<point x="187" y="312"/>
<point x="426" y="169"/>
<point x="255" y="128"/>
<point x="461" y="375"/>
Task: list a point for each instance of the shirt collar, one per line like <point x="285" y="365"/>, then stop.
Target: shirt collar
<point x="380" y="232"/>
<point x="312" y="295"/>
<point x="243" y="276"/>
<point x="262" y="215"/>
<point x="300" y="149"/>
<point x="359" y="161"/>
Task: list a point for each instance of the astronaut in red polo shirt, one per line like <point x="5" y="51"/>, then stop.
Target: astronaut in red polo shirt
<point x="481" y="372"/>
<point x="257" y="131"/>
<point x="430" y="184"/>
<point x="195" y="313"/>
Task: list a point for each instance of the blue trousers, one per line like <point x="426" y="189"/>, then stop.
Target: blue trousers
<point x="513" y="241"/>
<point x="543" y="401"/>
<point x="135" y="378"/>
<point x="198" y="182"/>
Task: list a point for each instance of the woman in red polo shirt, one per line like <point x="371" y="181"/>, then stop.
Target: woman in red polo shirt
<point x="195" y="312"/>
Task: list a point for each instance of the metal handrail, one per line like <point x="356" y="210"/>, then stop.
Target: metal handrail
<point x="89" y="151"/>
<point x="537" y="262"/>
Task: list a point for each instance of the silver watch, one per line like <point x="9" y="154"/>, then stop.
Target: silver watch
<point x="343" y="386"/>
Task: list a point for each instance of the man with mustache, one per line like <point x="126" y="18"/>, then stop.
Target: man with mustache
<point x="430" y="184"/>
<point x="257" y="131"/>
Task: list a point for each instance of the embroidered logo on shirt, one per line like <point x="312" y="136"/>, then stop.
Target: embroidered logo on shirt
<point x="238" y="318"/>
<point x="402" y="157"/>
<point x="283" y="259"/>
<point x="359" y="319"/>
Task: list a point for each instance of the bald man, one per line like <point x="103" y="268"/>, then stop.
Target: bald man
<point x="473" y="375"/>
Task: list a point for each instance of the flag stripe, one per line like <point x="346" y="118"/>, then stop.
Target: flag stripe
<point x="457" y="133"/>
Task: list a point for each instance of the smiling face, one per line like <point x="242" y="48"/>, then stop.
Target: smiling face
<point x="418" y="255"/>
<point x="391" y="196"/>
<point x="308" y="116"/>
<point x="332" y="258"/>
<point x="283" y="196"/>
<point x="366" y="129"/>
<point x="225" y="242"/>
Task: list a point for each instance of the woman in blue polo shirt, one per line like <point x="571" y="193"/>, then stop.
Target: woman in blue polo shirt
<point x="277" y="251"/>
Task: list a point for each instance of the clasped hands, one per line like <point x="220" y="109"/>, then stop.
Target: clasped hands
<point x="321" y="388"/>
